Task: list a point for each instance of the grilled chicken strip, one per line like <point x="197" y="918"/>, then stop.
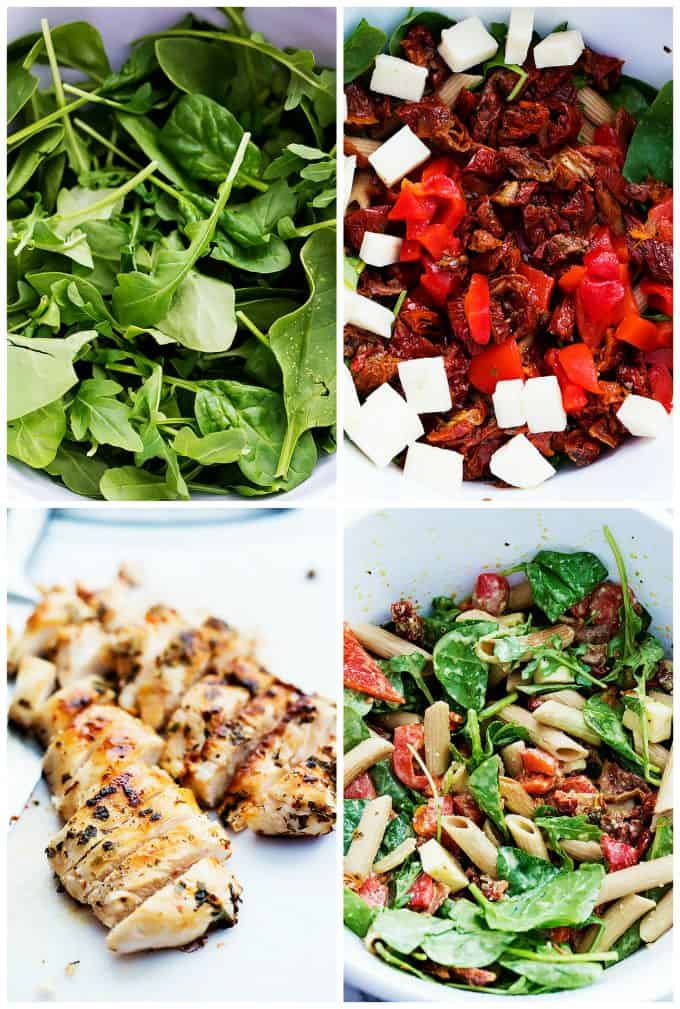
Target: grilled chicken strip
<point x="57" y="608"/>
<point x="287" y="785"/>
<point x="61" y="709"/>
<point x="153" y="864"/>
<point x="82" y="650"/>
<point x="36" y="679"/>
<point x="207" y="895"/>
<point x="136" y="649"/>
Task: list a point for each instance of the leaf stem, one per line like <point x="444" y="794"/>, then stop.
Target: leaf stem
<point x="528" y="954"/>
<point x="41" y="124"/>
<point x="118" y="194"/>
<point x="78" y="161"/>
<point x="497" y="706"/>
<point x="92" y="96"/>
<point x="250" y="325"/>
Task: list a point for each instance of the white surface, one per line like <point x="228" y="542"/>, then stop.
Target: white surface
<point x="254" y="574"/>
<point x="446" y="550"/>
<point x="638" y="469"/>
<point x="311" y="28"/>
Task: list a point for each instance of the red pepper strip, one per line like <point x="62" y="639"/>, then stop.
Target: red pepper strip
<point x="579" y="366"/>
<point x="598" y="304"/>
<point x="437" y="239"/>
<point x="374" y="892"/>
<point x="570" y="280"/>
<point x="406" y="736"/>
<point x="361" y="788"/>
<point x="537" y="761"/>
<point x="664" y="335"/>
<point x="660" y="220"/>
<point x="410" y="251"/>
<point x="659" y="296"/>
<point x="541" y="286"/>
<point x="411" y="206"/>
<point x="423" y="893"/>
<point x="639" y="332"/>
<point x="537" y="784"/>
<point x="477" y="304"/>
<point x="363" y="673"/>
<point x="578" y="783"/>
<point x="497" y="363"/>
<point x="618" y="854"/>
<point x="661" y="385"/>
<point x="573" y="396"/>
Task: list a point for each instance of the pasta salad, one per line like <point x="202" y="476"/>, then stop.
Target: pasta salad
<point x="507" y="775"/>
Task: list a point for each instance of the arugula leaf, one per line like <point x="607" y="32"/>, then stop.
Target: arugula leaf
<point x="34" y="438"/>
<point x="97" y="409"/>
<point x="403" y="879"/>
<point x="40" y="370"/>
<point x="441" y="619"/>
<point x="361" y="48"/>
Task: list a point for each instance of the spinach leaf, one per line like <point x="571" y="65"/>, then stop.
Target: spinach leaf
<point x="633" y="95"/>
<point x="484" y="786"/>
<point x="560" y="580"/>
<point x="413" y="666"/>
<point x="211" y="449"/>
<point x="97" y="409"/>
<point x="193" y="66"/>
<point x="433" y="20"/>
<point x="77" y="45"/>
<point x="575" y="828"/>
<point x="603" y="720"/>
<point x="35" y="437"/>
<point x="466" y="949"/>
<point x="361" y="48"/>
<point x="441" y="619"/>
<point x="352" y="811"/>
<point x="386" y="783"/>
<point x="523" y="871"/>
<point x="403" y="879"/>
<point x="21" y="86"/>
<point x="405" y="930"/>
<point x="650" y="152"/>
<point x="357" y="915"/>
<point x="568" y="898"/>
<point x="398" y="830"/>
<point x="461" y="673"/>
<point x="30" y="157"/>
<point x="40" y="370"/>
<point x="554" y="976"/>
<point x="126" y="483"/>
<point x="147" y="137"/>
<point x="202" y="315"/>
<point x="628" y="943"/>
<point x="353" y="726"/>
<point x="251" y="224"/>
<point x="272" y="256"/>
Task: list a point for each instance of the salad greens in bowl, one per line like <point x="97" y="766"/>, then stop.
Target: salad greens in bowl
<point x="171" y="250"/>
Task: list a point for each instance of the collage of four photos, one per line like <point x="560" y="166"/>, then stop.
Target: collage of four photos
<point x="339" y="338"/>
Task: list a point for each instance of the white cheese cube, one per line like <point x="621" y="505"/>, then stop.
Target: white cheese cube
<point x="439" y="469"/>
<point x="508" y="403"/>
<point x="442" y="866"/>
<point x="398" y="78"/>
<point x="520" y="464"/>
<point x="379" y="250"/>
<point x="348" y="176"/>
<point x="367" y="314"/>
<point x="659" y="721"/>
<point x="425" y="384"/>
<point x="520" y="30"/>
<point x="645" y="418"/>
<point x="559" y="49"/>
<point x="466" y="44"/>
<point x="384" y="425"/>
<point x="398" y="156"/>
<point x="350" y="398"/>
<point x="543" y="407"/>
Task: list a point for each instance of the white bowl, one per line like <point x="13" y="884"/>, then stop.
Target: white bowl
<point x="302" y="27"/>
<point x="422" y="553"/>
<point x="638" y="35"/>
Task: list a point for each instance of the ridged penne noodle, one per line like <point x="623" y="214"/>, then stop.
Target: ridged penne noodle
<point x="595" y="108"/>
<point x="616" y="919"/>
<point x="365" y="755"/>
<point x="569" y="766"/>
<point x="490" y="833"/>
<point x="396" y="856"/>
<point x="437" y="737"/>
<point x="527" y="835"/>
<point x="562" y="716"/>
<point x="658" y="920"/>
<point x="363" y="146"/>
<point x="582" y="851"/>
<point x="473" y="841"/>
<point x="442" y="866"/>
<point x="512" y="758"/>
<point x="517" y="799"/>
<point x="456" y="780"/>
<point x="571" y="698"/>
<point x="506" y="620"/>
<point x="384" y="643"/>
<point x="586" y="135"/>
<point x="664" y="797"/>
<point x="392" y="719"/>
<point x="361" y="189"/>
<point x="367" y="838"/>
<point x="453" y="85"/>
<point x="521" y="596"/>
<point x="562" y="631"/>
<point x="659" y="755"/>
<point x="555" y="742"/>
<point x="642" y="876"/>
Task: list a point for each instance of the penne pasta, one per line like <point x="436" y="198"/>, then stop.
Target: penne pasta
<point x="527" y="836"/>
<point x="595" y="107"/>
<point x="642" y="876"/>
<point x="396" y="856"/>
<point x="473" y="841"/>
<point x="659" y="755"/>
<point x="437" y="737"/>
<point x="582" y="851"/>
<point x="384" y="643"/>
<point x="521" y="597"/>
<point x="562" y="716"/>
<point x="456" y="779"/>
<point x="490" y="833"/>
<point x="569" y="697"/>
<point x="363" y="756"/>
<point x="658" y="920"/>
<point x="512" y="758"/>
<point x="368" y="838"/>
<point x="616" y="919"/>
<point x="517" y="799"/>
<point x="441" y="865"/>
<point x="555" y="742"/>
<point x="453" y="85"/>
<point x="392" y="719"/>
<point x="363" y="146"/>
<point x="664" y="797"/>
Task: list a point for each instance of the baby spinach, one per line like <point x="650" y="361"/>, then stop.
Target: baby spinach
<point x="466" y="949"/>
<point x="575" y="828"/>
<point x="405" y="930"/>
<point x="559" y="580"/>
<point x="484" y="786"/>
<point x="361" y="48"/>
<point x="433" y="20"/>
<point x="403" y="879"/>
<point x="398" y="830"/>
<point x="386" y="783"/>
<point x="352" y="811"/>
<point x="462" y="674"/>
<point x="605" y="721"/>
<point x="522" y="870"/>
<point x="354" y="728"/>
<point x="357" y="915"/>
<point x="211" y="449"/>
<point x="650" y="152"/>
<point x="193" y="66"/>
<point x="568" y="898"/>
<point x="554" y="976"/>
<point x="21" y="86"/>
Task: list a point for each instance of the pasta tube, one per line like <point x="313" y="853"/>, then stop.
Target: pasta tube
<point x="642" y="876"/>
<point x="572" y="698"/>
<point x="384" y="643"/>
<point x="368" y="838"/>
<point x="516" y="798"/>
<point x="595" y="108"/>
<point x="659" y="920"/>
<point x="365" y="755"/>
<point x="512" y="758"/>
<point x="562" y="716"/>
<point x="582" y="851"/>
<point x="490" y="832"/>
<point x="442" y="866"/>
<point x="363" y="146"/>
<point x="396" y="856"/>
<point x="664" y="797"/>
<point x="527" y="835"/>
<point x="437" y="737"/>
<point x="453" y="85"/>
<point x="473" y="842"/>
<point x="616" y="919"/>
<point x="556" y="743"/>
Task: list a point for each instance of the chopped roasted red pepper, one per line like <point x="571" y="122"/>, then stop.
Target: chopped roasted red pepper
<point x="497" y="363"/>
<point x="537" y="784"/>
<point x="411" y="206"/>
<point x="579" y="366"/>
<point x="639" y="332"/>
<point x="403" y="761"/>
<point x="574" y="398"/>
<point x="439" y="166"/>
<point x="661" y="385"/>
<point x="537" y="761"/>
<point x="374" y="891"/>
<point x="361" y="788"/>
<point x="541" y="285"/>
<point x="618" y="854"/>
<point x="664" y="335"/>
<point x="437" y="239"/>
<point x="438" y="285"/>
<point x="410" y="251"/>
<point x="571" y="279"/>
<point x="601" y="265"/>
<point x="659" y="296"/>
<point x="477" y="304"/>
<point x="363" y="673"/>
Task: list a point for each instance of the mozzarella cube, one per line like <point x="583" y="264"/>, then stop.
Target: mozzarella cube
<point x="384" y="425"/>
<point x="645" y="418"/>
<point x="348" y="176"/>
<point x="466" y="44"/>
<point x="508" y="403"/>
<point x="350" y="398"/>
<point x="367" y="314"/>
<point x="520" y="464"/>
<point x="398" y="78"/>
<point x="441" y="865"/>
<point x="425" y="384"/>
<point x="398" y="156"/>
<point x="543" y="407"/>
<point x="559" y="49"/>
<point x="439" y="469"/>
<point x="520" y="30"/>
<point x="659" y="721"/>
<point x="379" y="250"/>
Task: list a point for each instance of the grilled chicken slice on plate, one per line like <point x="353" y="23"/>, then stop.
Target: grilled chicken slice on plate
<point x="82" y="650"/>
<point x="57" y="608"/>
<point x="61" y="709"/>
<point x="155" y="863"/>
<point x="116" y="605"/>
<point x="36" y="679"/>
<point x="287" y="785"/>
<point x="206" y="895"/>
<point x="136" y="649"/>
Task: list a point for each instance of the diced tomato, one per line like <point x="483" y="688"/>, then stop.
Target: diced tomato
<point x="661" y="385"/>
<point x="659" y="296"/>
<point x="425" y="817"/>
<point x="497" y="363"/>
<point x="363" y="673"/>
<point x="579" y="783"/>
<point x="437" y="239"/>
<point x="537" y="784"/>
<point x="403" y="762"/>
<point x="537" y="761"/>
<point x="361" y="788"/>
<point x="541" y="285"/>
<point x="374" y="891"/>
<point x="574" y="398"/>
<point x="660" y="219"/>
<point x="491" y="592"/>
<point x="618" y="854"/>
<point x="410" y="251"/>
<point x="477" y="303"/>
<point x="579" y="366"/>
<point x="639" y="332"/>
<point x="571" y="278"/>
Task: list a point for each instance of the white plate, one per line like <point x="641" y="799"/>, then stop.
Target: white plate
<point x="291" y="26"/>
<point x="254" y="574"/>
<point x="445" y="551"/>
<point x="637" y="34"/>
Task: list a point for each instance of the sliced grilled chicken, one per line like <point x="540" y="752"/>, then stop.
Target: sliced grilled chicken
<point x="69" y="752"/>
<point x="181" y="912"/>
<point x="57" y="608"/>
<point x="208" y="704"/>
<point x="136" y="649"/>
<point x="287" y="785"/>
<point x="61" y="709"/>
<point x="82" y="650"/>
<point x="36" y="679"/>
<point x="160" y="685"/>
<point x="153" y="864"/>
<point x="116" y="605"/>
